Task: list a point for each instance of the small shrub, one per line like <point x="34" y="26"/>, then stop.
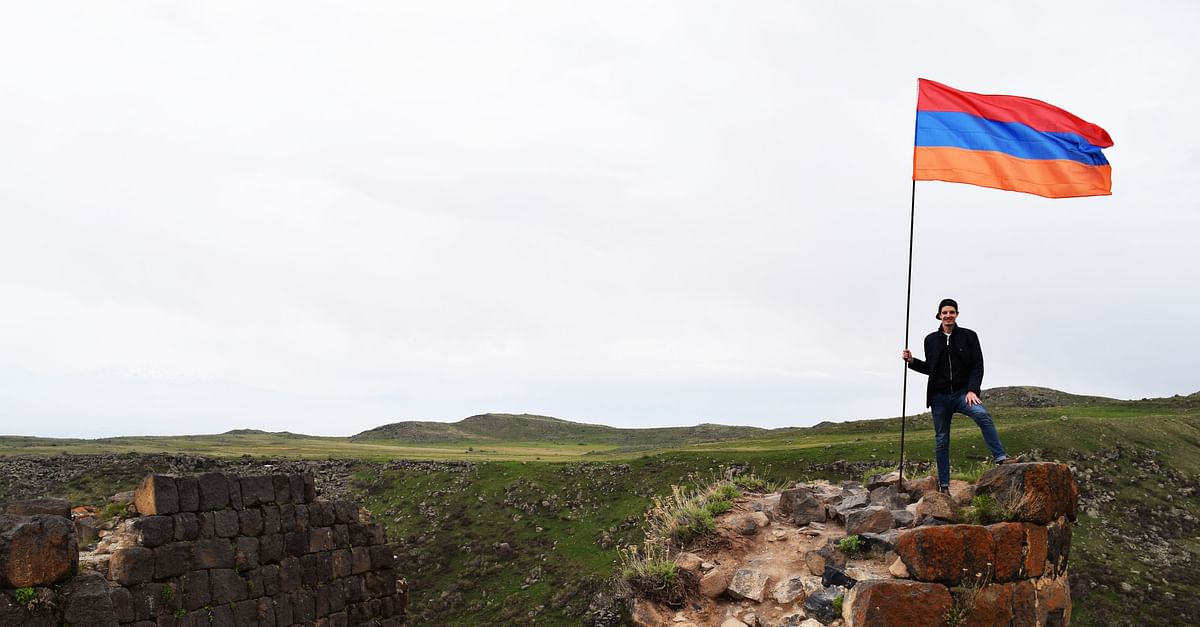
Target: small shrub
<point x="965" y="597"/>
<point x="650" y="574"/>
<point x="837" y="603"/>
<point x="984" y="511"/>
<point x="851" y="545"/>
<point x="25" y="595"/>
<point x="114" y="510"/>
<point x="167" y="592"/>
<point x="692" y="522"/>
<point x="726" y="492"/>
<point x="718" y="507"/>
<point x="751" y="483"/>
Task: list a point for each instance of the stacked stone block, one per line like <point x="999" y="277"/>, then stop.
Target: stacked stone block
<point x="1008" y="573"/>
<point x="256" y="550"/>
<point x="225" y="551"/>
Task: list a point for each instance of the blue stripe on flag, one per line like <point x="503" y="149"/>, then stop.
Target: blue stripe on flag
<point x="963" y="130"/>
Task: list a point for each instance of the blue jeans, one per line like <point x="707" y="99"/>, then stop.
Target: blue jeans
<point x="943" y="407"/>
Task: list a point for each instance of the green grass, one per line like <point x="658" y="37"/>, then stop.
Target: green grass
<point x="567" y="509"/>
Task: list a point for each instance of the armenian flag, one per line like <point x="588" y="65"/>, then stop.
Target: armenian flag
<point x="1007" y="142"/>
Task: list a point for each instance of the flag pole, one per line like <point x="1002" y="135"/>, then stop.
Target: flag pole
<point x="912" y="219"/>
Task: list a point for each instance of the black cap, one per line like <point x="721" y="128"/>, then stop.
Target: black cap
<point x="945" y="301"/>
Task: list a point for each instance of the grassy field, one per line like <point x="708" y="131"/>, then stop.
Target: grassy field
<point x="564" y="506"/>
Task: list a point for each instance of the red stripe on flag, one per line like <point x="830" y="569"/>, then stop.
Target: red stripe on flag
<point x="1041" y="116"/>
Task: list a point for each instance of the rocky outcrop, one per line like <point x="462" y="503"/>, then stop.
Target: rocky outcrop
<point x="877" y="569"/>
<point x="1006" y="573"/>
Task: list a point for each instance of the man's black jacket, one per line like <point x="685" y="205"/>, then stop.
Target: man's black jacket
<point x="966" y="344"/>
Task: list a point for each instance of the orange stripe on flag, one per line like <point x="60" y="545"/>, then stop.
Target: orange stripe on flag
<point x="1056" y="178"/>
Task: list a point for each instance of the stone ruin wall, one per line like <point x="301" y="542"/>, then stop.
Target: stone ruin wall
<point x="212" y="550"/>
<point x="1007" y="573"/>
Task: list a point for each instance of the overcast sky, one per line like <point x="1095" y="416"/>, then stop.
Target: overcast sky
<point x="323" y="217"/>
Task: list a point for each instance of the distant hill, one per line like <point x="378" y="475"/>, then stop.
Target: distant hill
<point x="534" y="428"/>
<point x="1031" y="396"/>
<point x="282" y="434"/>
<point x="497" y="427"/>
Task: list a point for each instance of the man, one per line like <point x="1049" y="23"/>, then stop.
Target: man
<point x="954" y="364"/>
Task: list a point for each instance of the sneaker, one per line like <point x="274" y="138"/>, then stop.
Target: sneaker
<point x="1011" y="460"/>
<point x="944" y="489"/>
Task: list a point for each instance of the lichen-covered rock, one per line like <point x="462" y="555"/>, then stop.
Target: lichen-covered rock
<point x="38" y="550"/>
<point x="946" y="554"/>
<point x="1053" y="601"/>
<point x="896" y="603"/>
<point x="1034" y="492"/>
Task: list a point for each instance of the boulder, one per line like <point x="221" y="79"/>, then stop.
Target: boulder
<point x="749" y="524"/>
<point x="948" y="554"/>
<point x="689" y="562"/>
<point x="505" y="551"/>
<point x="1034" y="492"/>
<point x="819" y="604"/>
<point x="834" y="576"/>
<point x="896" y="603"/>
<point x="714" y="583"/>
<point x="748" y="583"/>
<point x="646" y="614"/>
<point x="937" y="505"/>
<point x="889" y="497"/>
<point x="800" y="506"/>
<point x="869" y="520"/>
<point x="789" y="590"/>
<point x="916" y="488"/>
<point x="879" y="543"/>
<point x="903" y="517"/>
<point x="851" y="503"/>
<point x="818" y="558"/>
<point x="38" y="550"/>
